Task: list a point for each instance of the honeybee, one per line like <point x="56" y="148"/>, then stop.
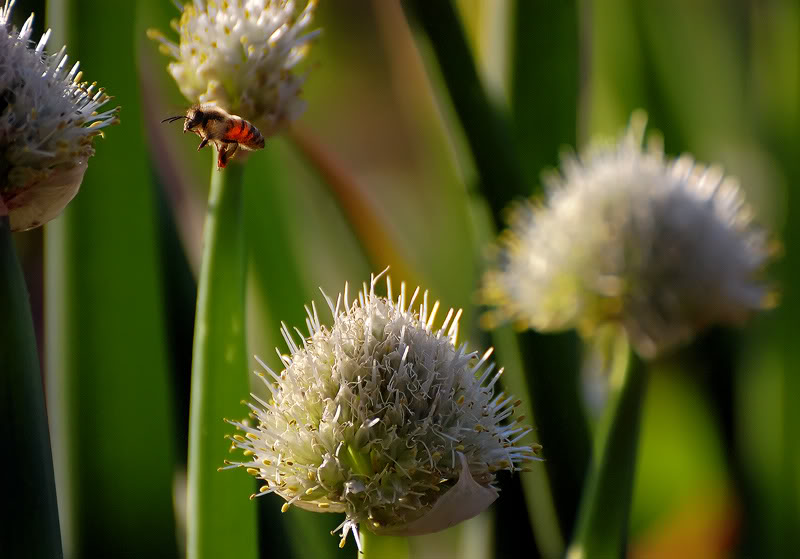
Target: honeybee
<point x="226" y="131"/>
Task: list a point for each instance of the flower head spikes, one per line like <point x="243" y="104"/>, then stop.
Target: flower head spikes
<point x="48" y="118"/>
<point x="239" y="55"/>
<point x="663" y="247"/>
<point x="382" y="417"/>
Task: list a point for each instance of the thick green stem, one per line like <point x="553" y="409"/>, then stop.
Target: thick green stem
<point x="31" y="528"/>
<point x="221" y="520"/>
<point x="603" y="519"/>
<point x="382" y="547"/>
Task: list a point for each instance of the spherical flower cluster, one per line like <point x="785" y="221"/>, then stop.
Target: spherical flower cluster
<point x="240" y="55"/>
<point x="48" y="118"/>
<point x="662" y="247"/>
<point x="383" y="418"/>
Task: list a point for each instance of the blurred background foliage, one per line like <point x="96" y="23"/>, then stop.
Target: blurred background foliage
<point x="378" y="173"/>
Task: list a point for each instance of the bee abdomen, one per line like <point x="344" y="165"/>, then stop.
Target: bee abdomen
<point x="257" y="141"/>
<point x="247" y="135"/>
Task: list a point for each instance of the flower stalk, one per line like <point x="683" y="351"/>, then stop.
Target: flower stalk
<point x="603" y="518"/>
<point x="219" y="379"/>
<point x="383" y="547"/>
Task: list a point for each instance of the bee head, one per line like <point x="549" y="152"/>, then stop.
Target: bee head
<point x="194" y="118"/>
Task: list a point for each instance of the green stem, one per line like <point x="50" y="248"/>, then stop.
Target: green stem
<point x="603" y="519"/>
<point x="32" y="528"/>
<point x="221" y="521"/>
<point x="382" y="547"/>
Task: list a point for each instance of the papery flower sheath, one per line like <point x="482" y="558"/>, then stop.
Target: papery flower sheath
<point x="382" y="417"/>
<point x="664" y="247"/>
<point x="48" y="118"/>
<point x="241" y="56"/>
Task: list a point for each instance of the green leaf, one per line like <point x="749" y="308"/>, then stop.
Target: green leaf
<point x="31" y="530"/>
<point x="107" y="365"/>
<point x="221" y="521"/>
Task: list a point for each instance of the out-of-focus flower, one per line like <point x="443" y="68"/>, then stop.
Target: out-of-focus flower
<point x="382" y="417"/>
<point x="664" y="247"/>
<point x="48" y="118"/>
<point x="240" y="56"/>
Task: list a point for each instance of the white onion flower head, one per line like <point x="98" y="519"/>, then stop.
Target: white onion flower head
<point x="384" y="418"/>
<point x="48" y="118"/>
<point x="664" y="247"/>
<point x="240" y="55"/>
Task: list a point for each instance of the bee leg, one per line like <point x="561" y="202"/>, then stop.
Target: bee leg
<point x="232" y="149"/>
<point x="223" y="155"/>
<point x="203" y="144"/>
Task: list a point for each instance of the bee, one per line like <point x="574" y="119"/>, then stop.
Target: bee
<point x="216" y="126"/>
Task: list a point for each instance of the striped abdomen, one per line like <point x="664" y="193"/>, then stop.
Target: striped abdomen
<point x="245" y="134"/>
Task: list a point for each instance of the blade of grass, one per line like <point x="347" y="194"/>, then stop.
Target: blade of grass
<point x="106" y="358"/>
<point x="556" y="406"/>
<point x="603" y="520"/>
<point x="32" y="530"/>
<point x="216" y="502"/>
